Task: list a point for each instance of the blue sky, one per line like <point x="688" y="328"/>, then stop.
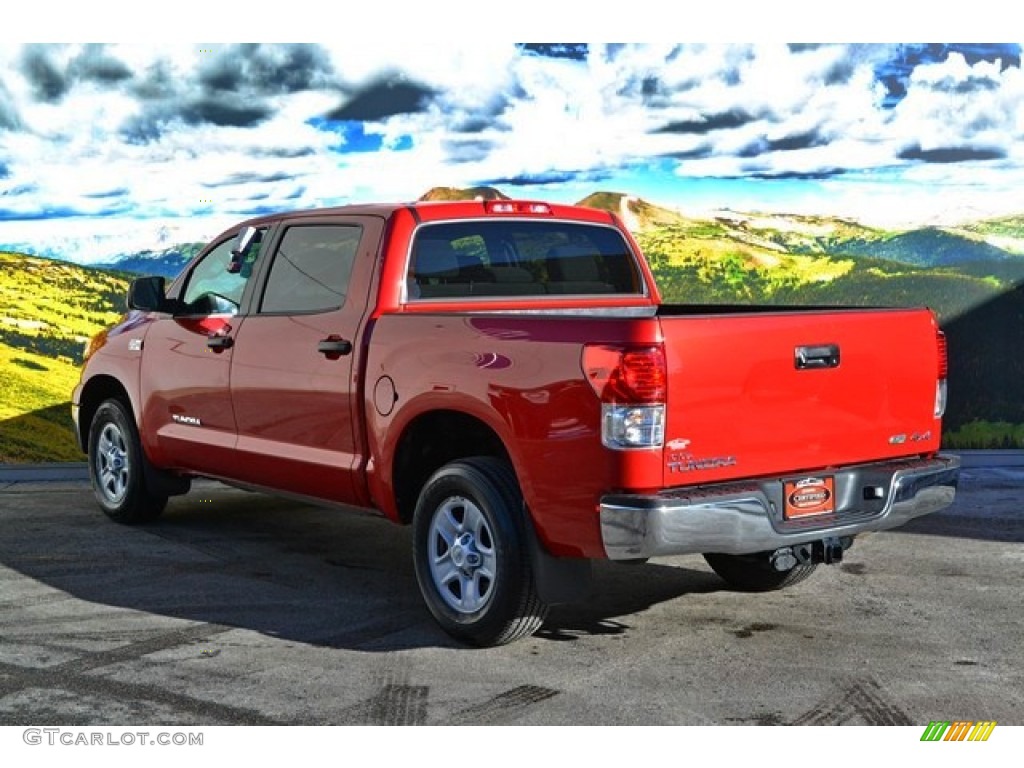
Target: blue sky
<point x="107" y="149"/>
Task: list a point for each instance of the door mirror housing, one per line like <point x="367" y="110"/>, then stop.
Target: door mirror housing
<point x="148" y="294"/>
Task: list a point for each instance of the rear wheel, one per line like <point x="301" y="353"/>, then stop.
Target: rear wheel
<point x="471" y="555"/>
<point x="755" y="573"/>
<point x="116" y="467"/>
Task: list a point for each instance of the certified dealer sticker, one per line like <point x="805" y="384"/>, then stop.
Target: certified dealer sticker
<point x="809" y="496"/>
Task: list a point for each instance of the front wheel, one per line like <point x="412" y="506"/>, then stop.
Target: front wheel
<point x="471" y="554"/>
<point x="755" y="573"/>
<point x="116" y="467"/>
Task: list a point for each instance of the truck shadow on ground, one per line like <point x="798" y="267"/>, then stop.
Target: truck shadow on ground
<point x="291" y="571"/>
<point x="620" y="591"/>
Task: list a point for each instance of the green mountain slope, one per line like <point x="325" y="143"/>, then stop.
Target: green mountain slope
<point x="711" y="265"/>
<point x="48" y="312"/>
<point x="1002" y="225"/>
<point x="1006" y="233"/>
<point x="929" y="246"/>
<point x="925" y="246"/>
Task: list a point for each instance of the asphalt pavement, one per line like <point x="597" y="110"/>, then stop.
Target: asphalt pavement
<point x="240" y="608"/>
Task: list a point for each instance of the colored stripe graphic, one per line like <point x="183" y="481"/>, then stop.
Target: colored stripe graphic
<point x="935" y="730"/>
<point x="958" y="730"/>
<point x="982" y="730"/>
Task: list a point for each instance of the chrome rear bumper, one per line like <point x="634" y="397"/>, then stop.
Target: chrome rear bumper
<point x="745" y="517"/>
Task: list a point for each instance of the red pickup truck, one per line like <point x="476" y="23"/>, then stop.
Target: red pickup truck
<point x="503" y="376"/>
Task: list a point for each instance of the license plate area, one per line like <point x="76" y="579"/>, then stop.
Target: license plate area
<point x="809" y="497"/>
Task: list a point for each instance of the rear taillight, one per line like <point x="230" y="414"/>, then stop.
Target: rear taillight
<point x="940" y="385"/>
<point x="631" y="383"/>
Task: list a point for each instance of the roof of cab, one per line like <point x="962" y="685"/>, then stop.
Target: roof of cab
<point x="434" y="210"/>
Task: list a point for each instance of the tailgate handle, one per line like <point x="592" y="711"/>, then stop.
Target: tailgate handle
<point x="816" y="356"/>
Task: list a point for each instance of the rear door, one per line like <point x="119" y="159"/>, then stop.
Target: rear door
<point x="767" y="392"/>
<point x="294" y="375"/>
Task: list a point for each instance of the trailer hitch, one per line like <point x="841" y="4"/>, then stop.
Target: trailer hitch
<point x="828" y="551"/>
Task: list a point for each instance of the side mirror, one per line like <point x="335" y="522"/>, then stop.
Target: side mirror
<point x="247" y="238"/>
<point x="147" y="294"/>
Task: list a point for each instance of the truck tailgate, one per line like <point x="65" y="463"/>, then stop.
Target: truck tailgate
<point x="755" y="392"/>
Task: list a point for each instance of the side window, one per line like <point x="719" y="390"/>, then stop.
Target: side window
<point x="311" y="268"/>
<point x="213" y="288"/>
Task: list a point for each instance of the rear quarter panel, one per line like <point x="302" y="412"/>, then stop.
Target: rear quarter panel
<point x="522" y="377"/>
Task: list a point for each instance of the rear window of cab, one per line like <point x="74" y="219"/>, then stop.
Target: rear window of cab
<point x="520" y="258"/>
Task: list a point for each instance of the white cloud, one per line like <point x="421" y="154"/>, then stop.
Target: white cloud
<point x="167" y="142"/>
<point x="953" y="103"/>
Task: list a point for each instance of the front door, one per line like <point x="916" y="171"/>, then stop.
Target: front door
<point x="185" y="372"/>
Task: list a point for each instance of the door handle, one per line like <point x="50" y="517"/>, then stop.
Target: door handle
<point x="334" y="347"/>
<point x="220" y="343"/>
<point x="817" y="356"/>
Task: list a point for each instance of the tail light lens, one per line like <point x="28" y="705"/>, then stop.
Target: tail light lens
<point x="631" y="383"/>
<point x="940" y="385"/>
<point x="940" y="340"/>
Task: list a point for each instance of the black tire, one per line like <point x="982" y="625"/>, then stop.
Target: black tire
<point x="116" y="467"/>
<point x="755" y="573"/>
<point x="471" y="554"/>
